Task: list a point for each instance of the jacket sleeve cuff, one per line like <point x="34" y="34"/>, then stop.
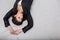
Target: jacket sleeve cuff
<point x="24" y="30"/>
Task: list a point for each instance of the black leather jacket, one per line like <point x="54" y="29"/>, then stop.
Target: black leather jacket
<point x="26" y="5"/>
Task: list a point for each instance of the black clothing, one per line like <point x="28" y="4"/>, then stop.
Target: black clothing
<point x="26" y="5"/>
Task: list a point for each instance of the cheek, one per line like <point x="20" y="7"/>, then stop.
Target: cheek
<point x="18" y="18"/>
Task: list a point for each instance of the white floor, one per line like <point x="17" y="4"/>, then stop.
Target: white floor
<point x="46" y="15"/>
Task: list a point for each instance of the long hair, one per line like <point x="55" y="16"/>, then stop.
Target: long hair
<point x="15" y="21"/>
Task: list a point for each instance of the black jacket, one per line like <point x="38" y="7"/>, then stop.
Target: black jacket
<point x="26" y="5"/>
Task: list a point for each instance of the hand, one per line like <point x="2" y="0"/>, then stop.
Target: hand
<point x="14" y="32"/>
<point x="10" y="29"/>
<point x="18" y="31"/>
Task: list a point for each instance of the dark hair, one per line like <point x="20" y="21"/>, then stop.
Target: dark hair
<point x="15" y="21"/>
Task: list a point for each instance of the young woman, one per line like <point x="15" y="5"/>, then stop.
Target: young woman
<point x="19" y="13"/>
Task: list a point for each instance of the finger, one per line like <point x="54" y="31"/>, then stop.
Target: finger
<point x="15" y="33"/>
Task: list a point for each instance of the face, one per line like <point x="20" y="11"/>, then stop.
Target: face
<point x="19" y="17"/>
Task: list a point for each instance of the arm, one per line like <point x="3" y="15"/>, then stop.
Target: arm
<point x="6" y="21"/>
<point x="6" y="18"/>
<point x="30" y="24"/>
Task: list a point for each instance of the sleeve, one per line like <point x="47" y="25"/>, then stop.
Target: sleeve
<point x="6" y="18"/>
<point x="29" y="25"/>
